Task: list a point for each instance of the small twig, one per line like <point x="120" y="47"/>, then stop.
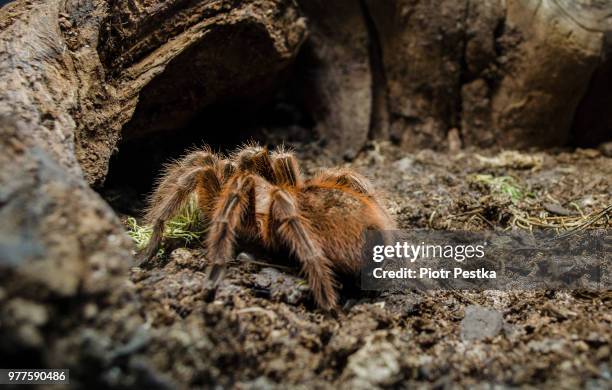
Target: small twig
<point x="603" y="213"/>
<point x="479" y="216"/>
<point x="466" y="213"/>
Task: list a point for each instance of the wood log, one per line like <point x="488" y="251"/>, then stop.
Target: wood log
<point x="505" y="73"/>
<point x="72" y="75"/>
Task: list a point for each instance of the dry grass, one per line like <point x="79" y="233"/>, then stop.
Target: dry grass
<point x="525" y="211"/>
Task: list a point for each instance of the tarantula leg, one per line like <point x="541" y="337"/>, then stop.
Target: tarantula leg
<point x="208" y="187"/>
<point x="173" y="173"/>
<point x="228" y="168"/>
<point x="172" y="199"/>
<point x="204" y="157"/>
<point x="345" y="178"/>
<point x="229" y="211"/>
<point x="286" y="169"/>
<point x="255" y="159"/>
<point x="294" y="231"/>
<point x="263" y="165"/>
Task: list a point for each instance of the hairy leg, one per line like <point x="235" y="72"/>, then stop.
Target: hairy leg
<point x="198" y="171"/>
<point x="173" y="172"/>
<point x="254" y="159"/>
<point x="346" y="178"/>
<point x="279" y="167"/>
<point x="293" y="230"/>
<point x="173" y="200"/>
<point x="229" y="211"/>
<point x="286" y="169"/>
<point x="228" y="168"/>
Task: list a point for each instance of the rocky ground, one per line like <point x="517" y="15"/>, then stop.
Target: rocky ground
<point x="262" y="330"/>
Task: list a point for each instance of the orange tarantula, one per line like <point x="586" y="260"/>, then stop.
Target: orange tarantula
<point x="262" y="196"/>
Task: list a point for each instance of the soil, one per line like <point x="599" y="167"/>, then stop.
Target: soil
<point x="261" y="328"/>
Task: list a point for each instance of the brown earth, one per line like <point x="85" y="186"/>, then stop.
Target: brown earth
<point x="261" y="329"/>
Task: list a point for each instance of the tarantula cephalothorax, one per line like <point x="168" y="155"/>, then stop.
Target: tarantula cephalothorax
<point x="262" y="196"/>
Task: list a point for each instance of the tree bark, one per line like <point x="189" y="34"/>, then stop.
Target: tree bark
<point x="505" y="73"/>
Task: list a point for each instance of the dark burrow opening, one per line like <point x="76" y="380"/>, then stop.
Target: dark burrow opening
<point x="139" y="161"/>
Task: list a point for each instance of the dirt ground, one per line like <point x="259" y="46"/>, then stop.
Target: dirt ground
<point x="262" y="330"/>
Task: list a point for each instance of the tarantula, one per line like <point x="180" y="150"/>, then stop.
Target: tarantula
<point x="262" y="196"/>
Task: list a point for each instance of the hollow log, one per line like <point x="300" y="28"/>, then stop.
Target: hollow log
<point x="72" y="75"/>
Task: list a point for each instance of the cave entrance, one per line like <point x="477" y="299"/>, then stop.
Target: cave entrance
<point x="138" y="161"/>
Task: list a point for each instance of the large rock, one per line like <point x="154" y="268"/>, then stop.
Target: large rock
<point x="593" y="121"/>
<point x="59" y="242"/>
<point x="223" y="52"/>
<point x="546" y="74"/>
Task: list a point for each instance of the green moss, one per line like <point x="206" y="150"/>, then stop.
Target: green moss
<point x="186" y="227"/>
<point x="506" y="185"/>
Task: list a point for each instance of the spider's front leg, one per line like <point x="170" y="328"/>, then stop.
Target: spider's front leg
<point x="255" y="159"/>
<point x="293" y="230"/>
<point x="286" y="169"/>
<point x="198" y="171"/>
<point x="229" y="211"/>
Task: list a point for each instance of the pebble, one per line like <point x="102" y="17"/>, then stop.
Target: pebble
<point x="606" y="149"/>
<point x="481" y="323"/>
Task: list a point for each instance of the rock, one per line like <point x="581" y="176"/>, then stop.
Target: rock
<point x="57" y="236"/>
<point x="107" y="65"/>
<point x="556" y="209"/>
<point x="538" y="108"/>
<point x="480" y="323"/>
<point x="404" y="164"/>
<point x="22" y="321"/>
<point x="375" y="364"/>
<point x="59" y="242"/>
<point x="421" y="50"/>
<point x="282" y="286"/>
<point x="224" y="51"/>
<point x="606" y="149"/>
<point x="593" y="120"/>
<point x="183" y="257"/>
<point x="453" y="140"/>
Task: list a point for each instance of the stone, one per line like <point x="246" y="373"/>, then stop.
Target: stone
<point x="480" y="323"/>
